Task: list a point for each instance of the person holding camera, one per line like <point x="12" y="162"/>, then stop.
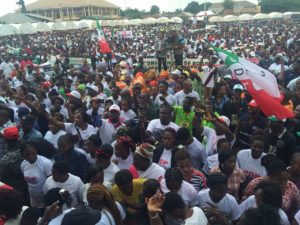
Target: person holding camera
<point x="161" y="50"/>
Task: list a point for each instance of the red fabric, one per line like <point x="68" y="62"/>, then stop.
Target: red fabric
<point x="104" y="47"/>
<point x="267" y="104"/>
<point x="134" y="172"/>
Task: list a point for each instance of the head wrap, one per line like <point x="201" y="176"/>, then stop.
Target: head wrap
<point x="145" y="150"/>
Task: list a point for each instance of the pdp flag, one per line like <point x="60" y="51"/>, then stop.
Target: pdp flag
<point x="104" y="47"/>
<point x="260" y="83"/>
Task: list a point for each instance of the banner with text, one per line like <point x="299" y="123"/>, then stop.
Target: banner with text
<point x="152" y="62"/>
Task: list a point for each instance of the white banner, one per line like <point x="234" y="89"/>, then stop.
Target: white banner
<point x="152" y="62"/>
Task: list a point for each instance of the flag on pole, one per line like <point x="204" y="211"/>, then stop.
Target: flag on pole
<point x="260" y="83"/>
<point x="104" y="47"/>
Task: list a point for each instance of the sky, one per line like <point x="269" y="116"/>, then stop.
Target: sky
<point x="164" y="5"/>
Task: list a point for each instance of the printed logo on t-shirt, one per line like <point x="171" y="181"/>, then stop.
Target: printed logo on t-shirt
<point x="30" y="180"/>
<point x="163" y="162"/>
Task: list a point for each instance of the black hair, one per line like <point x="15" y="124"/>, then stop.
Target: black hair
<point x="181" y="155"/>
<point x="258" y="137"/>
<point x="92" y="171"/>
<point x="216" y="88"/>
<point x="273" y="165"/>
<point x="44" y="147"/>
<point x="150" y="188"/>
<point x="168" y="107"/>
<point x="221" y="141"/>
<point x="173" y="174"/>
<point x="123" y="177"/>
<point x="172" y="202"/>
<point x="26" y="145"/>
<point x="66" y="137"/>
<point x="215" y="179"/>
<point x="84" y="115"/>
<point x="272" y="194"/>
<point x="183" y="133"/>
<point x="30" y="216"/>
<point x="170" y="130"/>
<point x="263" y="215"/>
<point x="165" y="83"/>
<point x="11" y="202"/>
<point x="96" y="140"/>
<point x="61" y="167"/>
<point x="223" y="156"/>
<point x="53" y="196"/>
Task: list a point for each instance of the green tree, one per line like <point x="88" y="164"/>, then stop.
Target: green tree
<point x="268" y="6"/>
<point x="228" y="4"/>
<point x="132" y="13"/>
<point x="194" y="7"/>
<point x="154" y="10"/>
<point x="21" y="4"/>
<point x="178" y="11"/>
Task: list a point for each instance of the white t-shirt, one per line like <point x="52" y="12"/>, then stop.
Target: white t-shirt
<point x="211" y="140"/>
<point x="73" y="184"/>
<point x="156" y="128"/>
<point x="180" y="96"/>
<point x="171" y="99"/>
<point x="124" y="163"/>
<point x="153" y="172"/>
<point x="129" y="115"/>
<point x="35" y="176"/>
<point x="52" y="138"/>
<point x="297" y="217"/>
<point x="57" y="220"/>
<point x="85" y="134"/>
<point x="198" y="218"/>
<point x="107" y="131"/>
<point x="211" y="162"/>
<point x="7" y="68"/>
<point x="250" y="203"/>
<point x="109" y="175"/>
<point x="187" y="192"/>
<point x="228" y="205"/>
<point x="250" y="165"/>
<point x="165" y="159"/>
<point x="198" y="153"/>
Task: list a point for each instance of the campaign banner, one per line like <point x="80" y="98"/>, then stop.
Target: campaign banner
<point x="152" y="62"/>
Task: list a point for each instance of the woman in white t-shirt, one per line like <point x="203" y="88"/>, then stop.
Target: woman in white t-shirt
<point x="35" y="169"/>
<point x="123" y="155"/>
<point x="53" y="134"/>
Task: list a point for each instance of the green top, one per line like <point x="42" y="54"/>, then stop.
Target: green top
<point x="183" y="119"/>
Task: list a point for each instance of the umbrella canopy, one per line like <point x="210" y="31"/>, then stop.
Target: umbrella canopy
<point x="275" y="15"/>
<point x="58" y="26"/>
<point x="41" y="27"/>
<point x="149" y="20"/>
<point x="176" y="20"/>
<point x="206" y="13"/>
<point x="163" y="20"/>
<point x="214" y="19"/>
<point x="8" y="29"/>
<point x="70" y="25"/>
<point x="26" y="28"/>
<point x="245" y="17"/>
<point x="230" y="18"/>
<point x="260" y="16"/>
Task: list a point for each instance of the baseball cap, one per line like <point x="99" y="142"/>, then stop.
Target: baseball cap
<point x="228" y="77"/>
<point x="238" y="87"/>
<point x="114" y="107"/>
<point x="252" y="103"/>
<point x="74" y="94"/>
<point x="110" y="74"/>
<point x="176" y="72"/>
<point x="224" y="119"/>
<point x="85" y="216"/>
<point x="105" y="150"/>
<point x="93" y="87"/>
<point x="11" y="133"/>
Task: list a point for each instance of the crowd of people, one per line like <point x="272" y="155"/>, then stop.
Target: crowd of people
<point x="111" y="141"/>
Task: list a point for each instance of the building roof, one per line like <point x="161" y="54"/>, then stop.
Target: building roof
<point x="237" y="5"/>
<point x="55" y="4"/>
<point x="21" y="18"/>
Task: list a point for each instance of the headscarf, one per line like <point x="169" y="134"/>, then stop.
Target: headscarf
<point x="145" y="150"/>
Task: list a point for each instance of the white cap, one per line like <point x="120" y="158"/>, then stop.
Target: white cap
<point x="177" y="72"/>
<point x="123" y="64"/>
<point x="110" y="74"/>
<point x="74" y="94"/>
<point x="93" y="87"/>
<point x="224" y="119"/>
<point x="228" y="76"/>
<point x="123" y="72"/>
<point x="252" y="54"/>
<point x="114" y="107"/>
<point x="238" y="87"/>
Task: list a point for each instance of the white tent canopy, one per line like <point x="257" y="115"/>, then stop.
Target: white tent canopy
<point x="245" y="17"/>
<point x="206" y="13"/>
<point x="8" y="29"/>
<point x="260" y="16"/>
<point x="230" y="18"/>
<point x="41" y="27"/>
<point x="163" y="20"/>
<point x="275" y="15"/>
<point x="57" y="26"/>
<point x="70" y="25"/>
<point x="176" y="20"/>
<point x="214" y="19"/>
<point x="149" y="20"/>
<point x="26" y="28"/>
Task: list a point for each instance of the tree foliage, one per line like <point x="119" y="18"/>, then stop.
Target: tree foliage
<point x="268" y="6"/>
<point x="228" y="4"/>
<point x="194" y="7"/>
<point x="154" y="10"/>
<point x="133" y="13"/>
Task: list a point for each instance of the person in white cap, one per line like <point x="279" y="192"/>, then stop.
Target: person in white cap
<point x="109" y="127"/>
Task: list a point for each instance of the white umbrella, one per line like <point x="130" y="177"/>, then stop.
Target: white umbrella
<point x="214" y="19"/>
<point x="124" y="22"/>
<point x="163" y="20"/>
<point x="27" y="28"/>
<point x="70" y="25"/>
<point x="206" y="13"/>
<point x="275" y="15"/>
<point x="8" y="29"/>
<point x="176" y="20"/>
<point x="245" y="17"/>
<point x="288" y="15"/>
<point x="41" y="27"/>
<point x="58" y="26"/>
<point x="81" y="24"/>
<point x="104" y="23"/>
<point x="260" y="16"/>
<point x="149" y="20"/>
<point x="230" y="18"/>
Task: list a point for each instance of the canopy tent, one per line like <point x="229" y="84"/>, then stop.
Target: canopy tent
<point x="136" y="21"/>
<point x="215" y="19"/>
<point x="245" y="17"/>
<point x="149" y="20"/>
<point x="70" y="25"/>
<point x="206" y="13"/>
<point x="260" y="16"/>
<point x="41" y="27"/>
<point x="288" y="15"/>
<point x="81" y="24"/>
<point x="57" y="26"/>
<point x="176" y="20"/>
<point x="275" y="15"/>
<point x="124" y="22"/>
<point x="8" y="29"/>
<point x="230" y="18"/>
<point x="26" y="28"/>
<point x="163" y="20"/>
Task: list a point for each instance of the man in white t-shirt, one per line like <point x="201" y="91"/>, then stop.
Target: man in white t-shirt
<point x="61" y="178"/>
<point x="7" y="68"/>
<point x="156" y="126"/>
<point x="164" y="95"/>
<point x="53" y="134"/>
<point x="186" y="92"/>
<point x="216" y="195"/>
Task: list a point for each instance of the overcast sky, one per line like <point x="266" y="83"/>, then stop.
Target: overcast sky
<point x="165" y="5"/>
